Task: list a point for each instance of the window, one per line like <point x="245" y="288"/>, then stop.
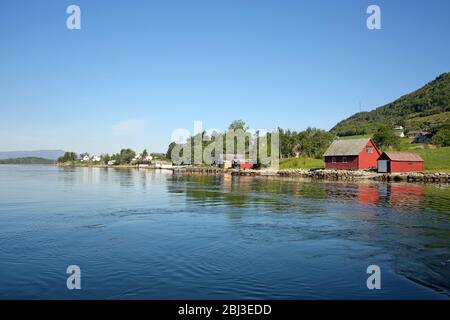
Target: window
<point x="333" y="160"/>
<point x="344" y="159"/>
<point x="369" y="149"/>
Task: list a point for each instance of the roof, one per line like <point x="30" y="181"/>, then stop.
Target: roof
<point x="404" y="156"/>
<point x="351" y="147"/>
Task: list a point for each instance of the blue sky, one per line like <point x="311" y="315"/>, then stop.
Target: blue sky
<point x="137" y="70"/>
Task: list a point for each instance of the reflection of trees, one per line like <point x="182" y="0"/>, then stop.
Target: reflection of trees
<point x="208" y="189"/>
<point x="408" y="222"/>
<point x="240" y="191"/>
<point x="437" y="198"/>
<point x="124" y="177"/>
<point x="279" y="193"/>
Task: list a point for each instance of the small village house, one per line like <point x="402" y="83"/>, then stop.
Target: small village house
<point x="243" y="164"/>
<point x="163" y="165"/>
<point x="142" y="164"/>
<point x="227" y="161"/>
<point x="400" y="162"/>
<point x="140" y="157"/>
<point x="399" y="131"/>
<point x="352" y="154"/>
<point x="421" y="136"/>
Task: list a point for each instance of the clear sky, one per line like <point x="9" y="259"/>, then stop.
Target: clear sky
<point x="137" y="70"/>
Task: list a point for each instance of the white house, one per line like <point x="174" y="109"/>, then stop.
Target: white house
<point x="139" y="157"/>
<point x="96" y="158"/>
<point x="399" y="131"/>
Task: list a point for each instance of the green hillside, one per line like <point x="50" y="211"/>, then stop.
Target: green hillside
<point x="424" y="108"/>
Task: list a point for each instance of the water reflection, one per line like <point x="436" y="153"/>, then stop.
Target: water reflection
<point x="403" y="220"/>
<point x="241" y="191"/>
<point x="160" y="235"/>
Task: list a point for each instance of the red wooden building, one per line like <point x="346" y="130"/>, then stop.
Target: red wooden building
<point x="354" y="154"/>
<point x="400" y="162"/>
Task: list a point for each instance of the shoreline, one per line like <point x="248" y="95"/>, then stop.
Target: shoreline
<point x="314" y="174"/>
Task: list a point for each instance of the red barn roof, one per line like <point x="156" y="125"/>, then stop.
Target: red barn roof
<point x="403" y="156"/>
<point x="350" y="147"/>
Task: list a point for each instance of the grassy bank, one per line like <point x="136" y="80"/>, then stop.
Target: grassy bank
<point x="302" y="162"/>
<point x="435" y="159"/>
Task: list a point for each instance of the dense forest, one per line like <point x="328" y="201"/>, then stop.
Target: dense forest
<point x="426" y="108"/>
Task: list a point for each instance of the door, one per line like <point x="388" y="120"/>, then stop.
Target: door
<point x="382" y="166"/>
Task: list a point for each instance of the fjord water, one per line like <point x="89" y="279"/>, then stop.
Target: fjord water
<point x="140" y="234"/>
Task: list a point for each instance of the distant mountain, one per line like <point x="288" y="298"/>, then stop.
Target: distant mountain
<point x="424" y="108"/>
<point x="44" y="154"/>
<point x="27" y="160"/>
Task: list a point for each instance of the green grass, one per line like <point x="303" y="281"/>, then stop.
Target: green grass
<point x="435" y="159"/>
<point x="301" y="163"/>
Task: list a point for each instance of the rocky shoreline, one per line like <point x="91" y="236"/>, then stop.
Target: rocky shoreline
<point x="367" y="175"/>
<point x="318" y="174"/>
<point x="322" y="174"/>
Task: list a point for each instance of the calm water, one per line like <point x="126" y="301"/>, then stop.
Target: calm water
<point x="152" y="235"/>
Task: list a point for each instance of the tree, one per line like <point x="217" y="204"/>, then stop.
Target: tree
<point x="105" y="157"/>
<point x="169" y="150"/>
<point x="126" y="155"/>
<point x="144" y="154"/>
<point x="68" y="157"/>
<point x="442" y="138"/>
<point x="238" y="124"/>
<point x="116" y="158"/>
<point x="313" y="142"/>
<point x="385" y="137"/>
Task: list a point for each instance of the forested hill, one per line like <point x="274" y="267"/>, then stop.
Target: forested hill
<point x="27" y="160"/>
<point x="426" y="107"/>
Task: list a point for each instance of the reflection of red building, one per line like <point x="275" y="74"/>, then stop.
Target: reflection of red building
<point x="406" y="195"/>
<point x="368" y="194"/>
<point x="353" y="154"/>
